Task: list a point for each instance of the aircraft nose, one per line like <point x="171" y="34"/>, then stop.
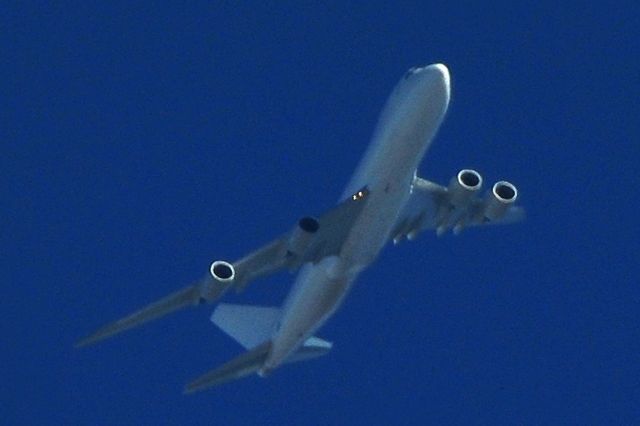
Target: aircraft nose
<point x="436" y="81"/>
<point x="437" y="76"/>
<point x="440" y="72"/>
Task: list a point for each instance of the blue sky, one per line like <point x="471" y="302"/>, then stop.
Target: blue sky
<point x="143" y="141"/>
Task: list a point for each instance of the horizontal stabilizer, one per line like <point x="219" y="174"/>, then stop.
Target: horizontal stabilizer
<point x="241" y="366"/>
<point x="252" y="361"/>
<point x="312" y="348"/>
<point x="248" y="325"/>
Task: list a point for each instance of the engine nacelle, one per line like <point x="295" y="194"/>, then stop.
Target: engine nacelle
<point x="302" y="235"/>
<point x="502" y="195"/>
<point x="222" y="272"/>
<point x="463" y="186"/>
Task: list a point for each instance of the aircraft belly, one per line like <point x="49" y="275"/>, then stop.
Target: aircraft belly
<point x="370" y="233"/>
<point x="407" y="126"/>
<point x="320" y="288"/>
<point x="317" y="293"/>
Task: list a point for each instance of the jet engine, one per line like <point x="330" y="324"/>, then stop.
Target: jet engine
<point x="502" y="195"/>
<point x="463" y="186"/>
<point x="213" y="287"/>
<point x="223" y="272"/>
<point x="302" y="235"/>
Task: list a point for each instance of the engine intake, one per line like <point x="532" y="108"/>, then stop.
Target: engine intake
<point x="463" y="186"/>
<point x="502" y="195"/>
<point x="222" y="272"/>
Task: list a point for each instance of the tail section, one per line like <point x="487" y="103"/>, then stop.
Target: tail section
<point x="253" y="327"/>
<point x="252" y="362"/>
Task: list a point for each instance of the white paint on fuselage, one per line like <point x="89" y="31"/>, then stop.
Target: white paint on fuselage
<point x="406" y="127"/>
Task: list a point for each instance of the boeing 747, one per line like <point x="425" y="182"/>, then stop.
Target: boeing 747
<point x="384" y="201"/>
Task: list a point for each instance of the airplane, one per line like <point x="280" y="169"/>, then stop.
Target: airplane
<point x="384" y="201"/>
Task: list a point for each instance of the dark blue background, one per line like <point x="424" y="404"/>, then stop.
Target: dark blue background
<point x="141" y="142"/>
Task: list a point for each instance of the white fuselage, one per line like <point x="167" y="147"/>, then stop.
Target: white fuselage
<point x="407" y="125"/>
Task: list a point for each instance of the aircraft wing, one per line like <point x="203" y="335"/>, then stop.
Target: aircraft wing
<point x="310" y="240"/>
<point x="433" y="206"/>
